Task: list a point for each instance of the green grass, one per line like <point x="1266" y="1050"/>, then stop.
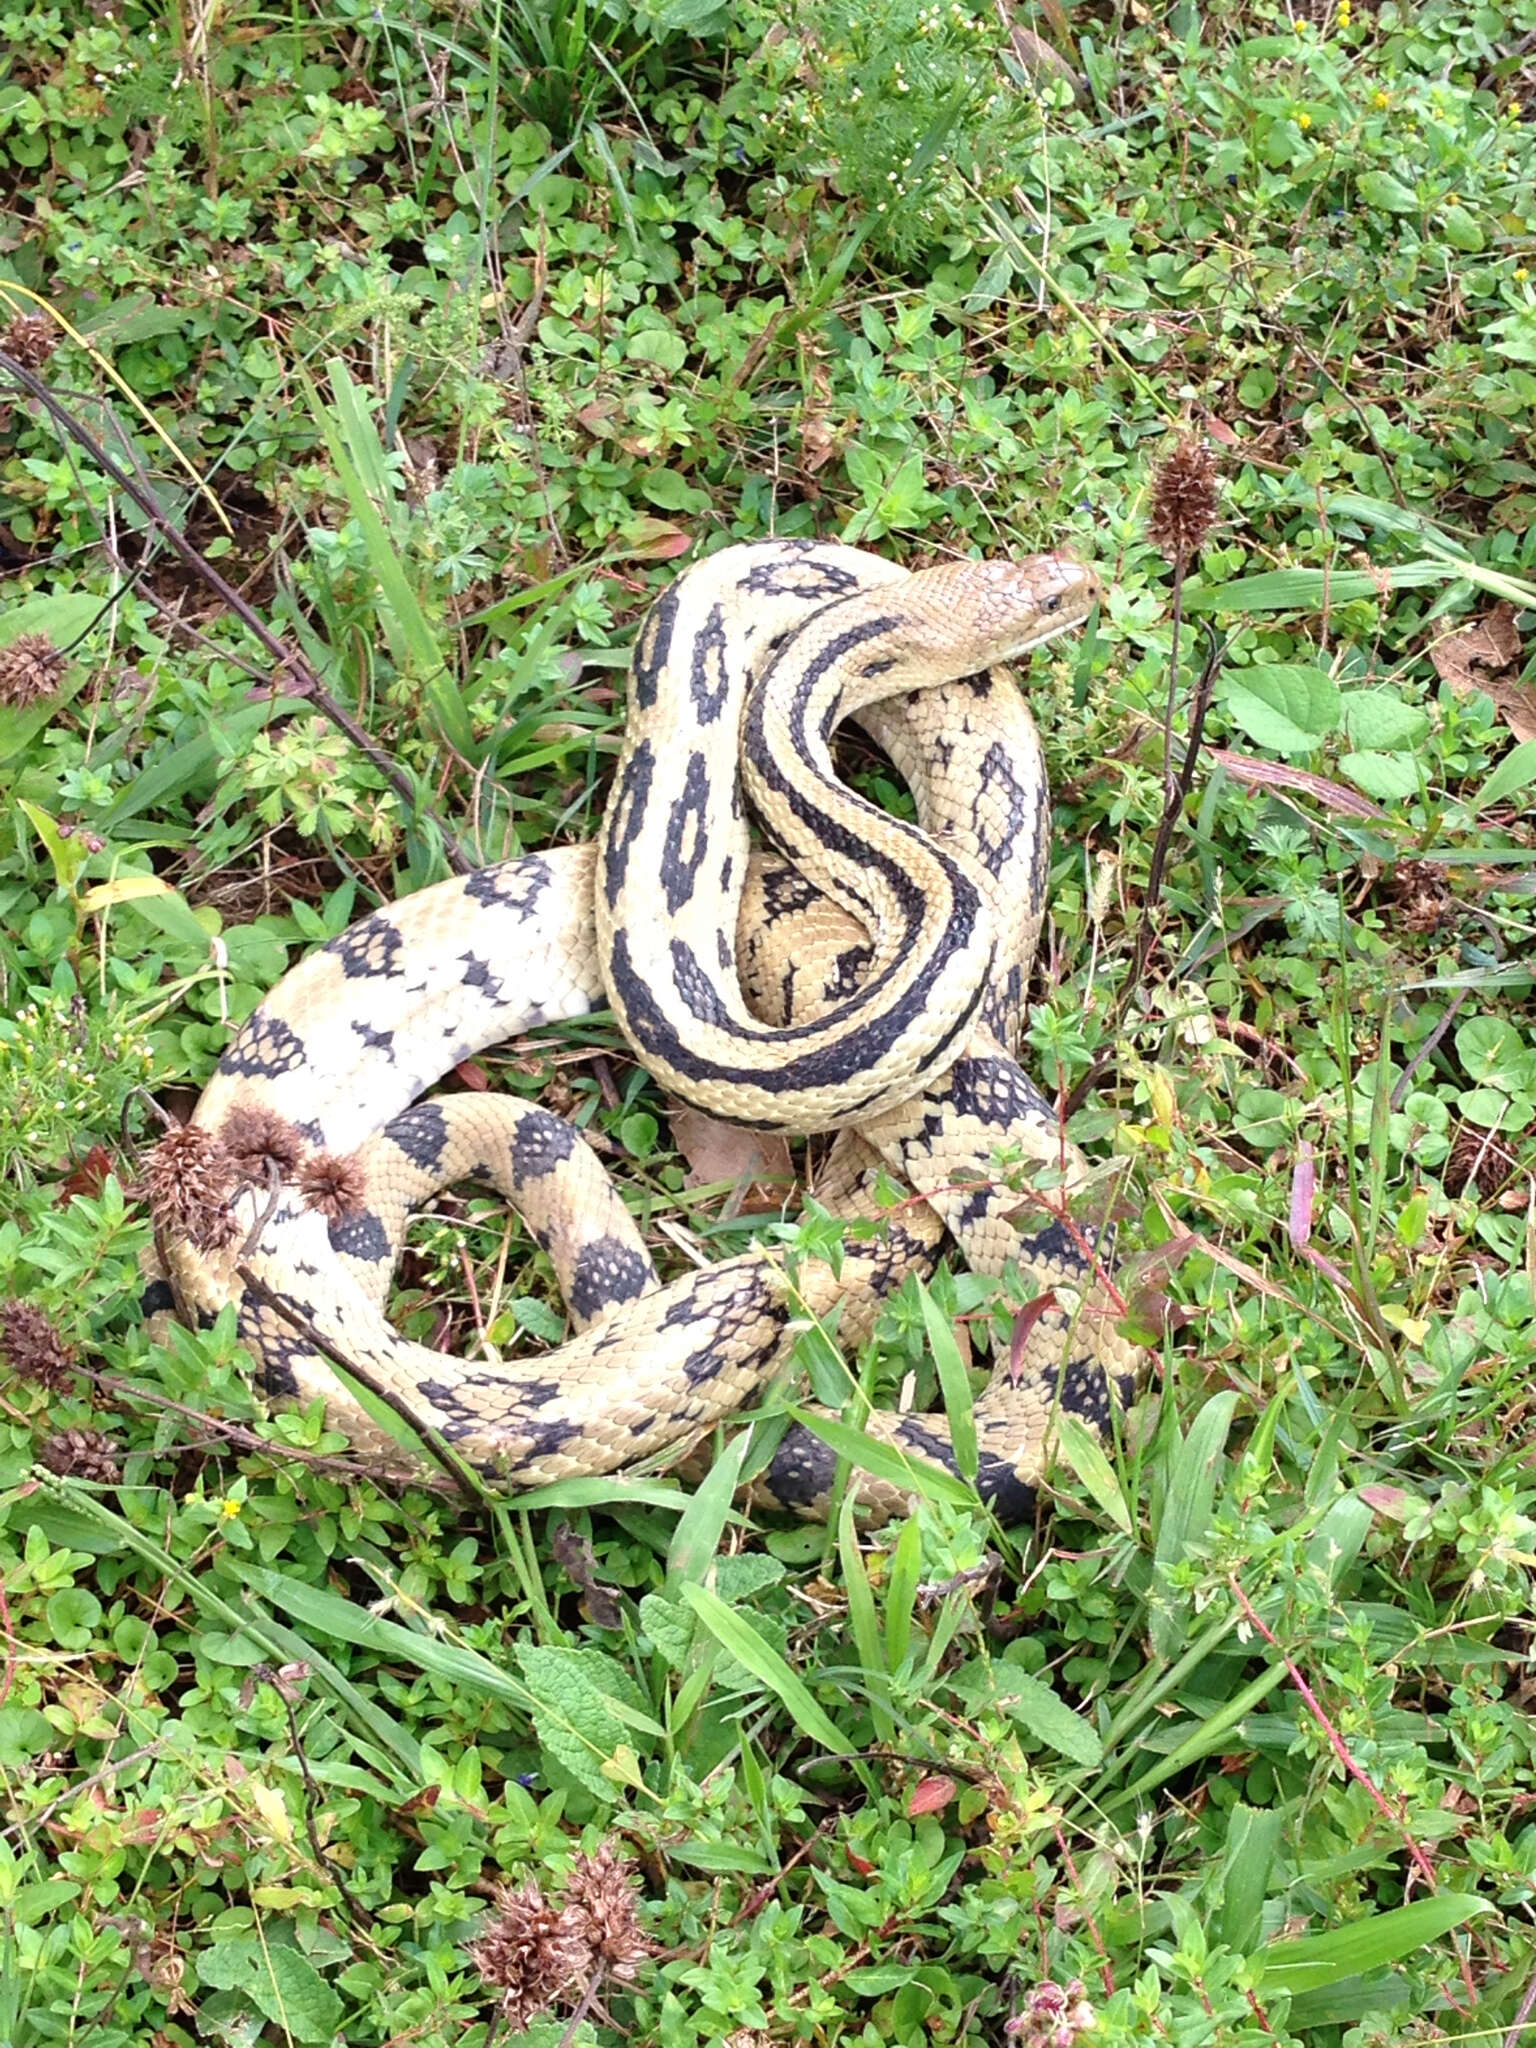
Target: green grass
<point x="444" y="334"/>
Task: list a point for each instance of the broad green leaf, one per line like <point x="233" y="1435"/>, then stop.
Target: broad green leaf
<point x="1382" y="190"/>
<point x="1253" y="1836"/>
<point x="1388" y="777"/>
<point x="1032" y="1703"/>
<point x="1289" y="707"/>
<point x="579" y="1712"/>
<point x="886" y="1460"/>
<point x="1085" y="1454"/>
<point x="737" y="1635"/>
<point x="1380" y="719"/>
<point x="1461" y="229"/>
<point x="1364" y="1945"/>
<point x="284" y="1986"/>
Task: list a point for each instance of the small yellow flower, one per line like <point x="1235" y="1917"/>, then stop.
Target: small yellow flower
<point x="1521" y="274"/>
<point x="1303" y="120"/>
<point x="230" y="1510"/>
<point x="1381" y="99"/>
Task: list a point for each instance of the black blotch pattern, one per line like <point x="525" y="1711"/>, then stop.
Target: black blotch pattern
<point x="848" y="974"/>
<point x="607" y="1271"/>
<point x="376" y="1041"/>
<point x="477" y="975"/>
<point x="1003" y="809"/>
<point x="709" y="675"/>
<point x="694" y="987"/>
<point x="687" y="841"/>
<point x="653" y="648"/>
<point x="157" y="1299"/>
<point x="542" y="1142"/>
<point x="803" y="1469"/>
<point x="723" y="953"/>
<point x="626" y="818"/>
<point x="369" y="949"/>
<point x="979" y="685"/>
<point x="994" y="1091"/>
<point x="360" y="1237"/>
<point x="422" y="1135"/>
<point x="264" y="1048"/>
<point x="802" y="579"/>
<point x="786" y="890"/>
<point x="511" y="885"/>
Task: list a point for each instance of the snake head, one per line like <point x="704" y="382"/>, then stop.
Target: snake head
<point x="965" y="616"/>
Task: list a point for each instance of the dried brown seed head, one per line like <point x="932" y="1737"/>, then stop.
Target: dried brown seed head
<point x="600" y="1902"/>
<point x="528" y="1953"/>
<point x="189" y="1179"/>
<point x="31" y="338"/>
<point x="82" y="1454"/>
<point x="252" y="1137"/>
<point x="30" y="668"/>
<point x="336" y="1187"/>
<point x="32" y="1347"/>
<point x="1185" y="500"/>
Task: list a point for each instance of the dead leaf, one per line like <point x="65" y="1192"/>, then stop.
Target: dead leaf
<point x="577" y="1559"/>
<point x="1487" y="655"/>
<point x="1042" y="63"/>
<point x="1278" y="775"/>
<point x="753" y="1161"/>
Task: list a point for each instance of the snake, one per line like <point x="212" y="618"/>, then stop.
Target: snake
<point x="861" y="974"/>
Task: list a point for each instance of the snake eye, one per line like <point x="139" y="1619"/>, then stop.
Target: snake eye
<point x="1052" y="604"/>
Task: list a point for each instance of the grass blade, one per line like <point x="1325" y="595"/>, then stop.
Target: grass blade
<point x="765" y="1663"/>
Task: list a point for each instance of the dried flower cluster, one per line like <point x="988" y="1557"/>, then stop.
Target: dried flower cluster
<point x="30" y="667"/>
<point x="82" y="1454"/>
<point x="1053" y="2016"/>
<point x="30" y="338"/>
<point x="1185" y="498"/>
<point x="335" y="1187"/>
<point x="189" y="1179"/>
<point x="534" y="1955"/>
<point x="255" y="1137"/>
<point x="32" y="1347"/>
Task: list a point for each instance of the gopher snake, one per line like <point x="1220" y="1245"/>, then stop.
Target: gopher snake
<point x="872" y="980"/>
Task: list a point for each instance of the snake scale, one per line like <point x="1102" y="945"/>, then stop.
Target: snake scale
<point x="867" y="977"/>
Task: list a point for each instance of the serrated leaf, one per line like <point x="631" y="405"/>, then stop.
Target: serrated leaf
<point x="283" y="1985"/>
<point x="1289" y="707"/>
<point x="573" y="1720"/>
<point x="1388" y="776"/>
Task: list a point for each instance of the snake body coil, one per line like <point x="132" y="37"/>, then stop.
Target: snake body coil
<point x="869" y="979"/>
